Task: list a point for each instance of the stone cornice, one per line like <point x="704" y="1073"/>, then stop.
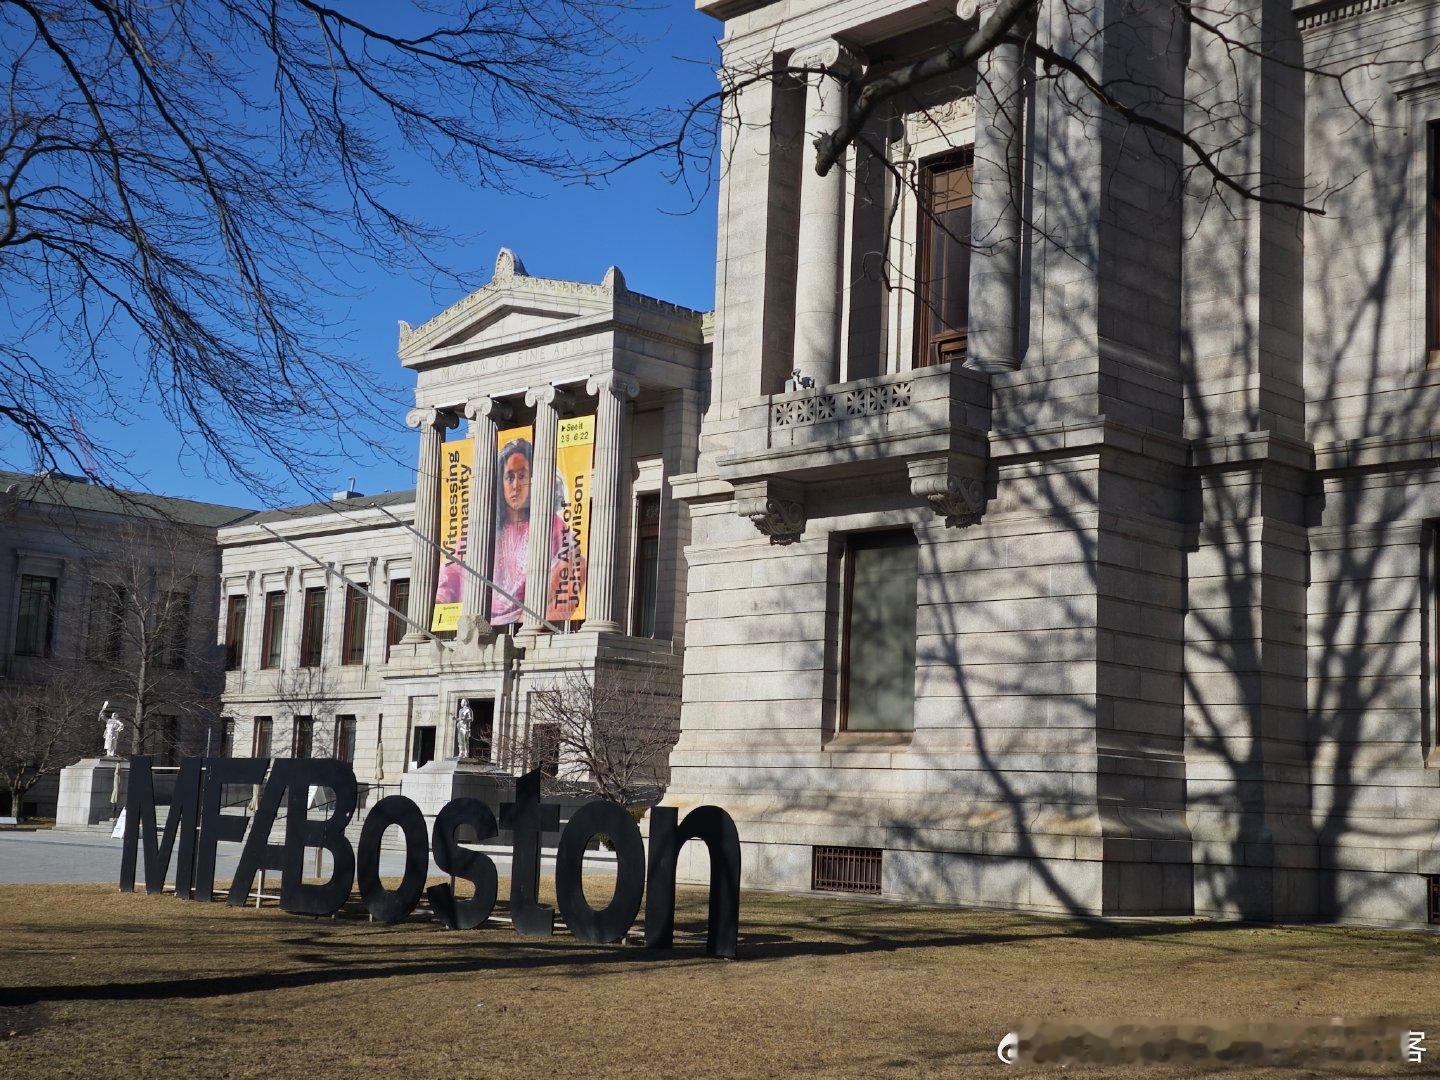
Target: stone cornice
<point x="1310" y="16"/>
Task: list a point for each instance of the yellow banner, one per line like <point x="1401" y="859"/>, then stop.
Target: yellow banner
<point x="456" y="465"/>
<point x="575" y="462"/>
<point x="515" y="453"/>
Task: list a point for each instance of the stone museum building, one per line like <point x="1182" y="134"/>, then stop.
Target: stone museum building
<point x="1096" y="570"/>
<point x="509" y="381"/>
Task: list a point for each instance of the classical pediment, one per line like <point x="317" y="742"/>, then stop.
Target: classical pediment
<point x="511" y="308"/>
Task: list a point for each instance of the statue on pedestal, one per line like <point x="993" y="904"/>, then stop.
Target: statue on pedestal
<point x="464" y="717"/>
<point x="114" y="728"/>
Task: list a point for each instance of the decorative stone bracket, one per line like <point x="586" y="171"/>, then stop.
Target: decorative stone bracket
<point x="954" y="494"/>
<point x="774" y="507"/>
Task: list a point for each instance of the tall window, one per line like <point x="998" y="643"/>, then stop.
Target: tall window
<point x="345" y="738"/>
<point x="545" y="745"/>
<point x="164" y="740"/>
<point x="176" y="630"/>
<point x="1432" y="244"/>
<point x="302" y="738"/>
<point x="646" y="573"/>
<point x="264" y="731"/>
<point x="234" y="632"/>
<point x="942" y="295"/>
<point x="227" y="737"/>
<point x="312" y="628"/>
<point x="877" y="667"/>
<point x="352" y="646"/>
<point x="273" y="630"/>
<point x="104" y="632"/>
<point x="400" y="601"/>
<point x="35" y="624"/>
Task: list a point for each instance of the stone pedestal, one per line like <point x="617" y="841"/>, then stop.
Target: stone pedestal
<point x="434" y="784"/>
<point x="85" y="790"/>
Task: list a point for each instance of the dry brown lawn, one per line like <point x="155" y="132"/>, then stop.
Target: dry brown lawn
<point x="97" y="983"/>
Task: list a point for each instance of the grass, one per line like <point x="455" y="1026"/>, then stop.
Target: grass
<point x="94" y="982"/>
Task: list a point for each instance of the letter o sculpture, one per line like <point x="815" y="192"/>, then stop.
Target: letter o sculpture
<point x="612" y="921"/>
<point x="385" y="905"/>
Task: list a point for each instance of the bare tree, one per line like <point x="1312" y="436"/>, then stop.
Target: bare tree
<point x="607" y="734"/>
<point x="43" y="728"/>
<point x="187" y="174"/>
<point x="142" y="637"/>
<point x="310" y="692"/>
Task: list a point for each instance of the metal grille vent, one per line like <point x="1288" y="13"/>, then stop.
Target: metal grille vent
<point x="846" y="869"/>
<point x="1433" y="888"/>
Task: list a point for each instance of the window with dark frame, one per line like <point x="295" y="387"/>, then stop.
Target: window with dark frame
<point x="877" y="660"/>
<point x="35" y="618"/>
<point x="165" y="740"/>
<point x="234" y="632"/>
<point x="400" y="601"/>
<point x="942" y="293"/>
<point x="273" y="630"/>
<point x="312" y="627"/>
<point x="545" y="745"/>
<point x="104" y="633"/>
<point x="345" y="738"/>
<point x="260" y="743"/>
<point x="227" y="737"/>
<point x="176" y="631"/>
<point x="646" y="573"/>
<point x="302" y="737"/>
<point x="352" y="645"/>
<point x="1432" y="242"/>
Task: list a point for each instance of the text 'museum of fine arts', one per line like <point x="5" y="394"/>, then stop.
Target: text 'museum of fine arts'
<point x="1090" y="567"/>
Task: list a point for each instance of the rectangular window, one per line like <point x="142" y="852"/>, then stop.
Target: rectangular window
<point x="545" y="745"/>
<point x="234" y="633"/>
<point x="345" y="738"/>
<point x="105" y="629"/>
<point x="646" y="573"/>
<point x="35" y="624"/>
<point x="1432" y="242"/>
<point x="273" y="634"/>
<point x="227" y="737"/>
<point x="302" y="738"/>
<point x="261" y="743"/>
<point x="175" y="630"/>
<point x="352" y="647"/>
<point x="422" y="746"/>
<point x="164" y="740"/>
<point x="942" y="293"/>
<point x="312" y="627"/>
<point x="400" y="601"/>
<point x="877" y="664"/>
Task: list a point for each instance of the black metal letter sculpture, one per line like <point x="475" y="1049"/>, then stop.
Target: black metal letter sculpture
<point x="473" y="866"/>
<point x="717" y="829"/>
<point x="182" y="820"/>
<point x="215" y="825"/>
<point x="385" y="905"/>
<point x="301" y="832"/>
<point x="612" y="921"/>
<point x="527" y="819"/>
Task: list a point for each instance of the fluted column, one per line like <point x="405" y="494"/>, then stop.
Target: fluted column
<point x="994" y="339"/>
<point x="614" y="390"/>
<point x="546" y="400"/>
<point x="424" y="565"/>
<point x="485" y="415"/>
<point x="820" y="275"/>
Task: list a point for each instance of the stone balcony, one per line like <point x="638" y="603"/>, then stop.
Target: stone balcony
<point x="929" y="426"/>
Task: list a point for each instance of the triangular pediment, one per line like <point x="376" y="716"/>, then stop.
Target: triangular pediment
<point x="512" y="307"/>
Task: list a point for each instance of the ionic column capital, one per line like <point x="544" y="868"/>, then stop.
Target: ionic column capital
<point x="549" y="395"/>
<point x="438" y="419"/>
<point x="617" y="383"/>
<point x="488" y="408"/>
<point x="830" y="57"/>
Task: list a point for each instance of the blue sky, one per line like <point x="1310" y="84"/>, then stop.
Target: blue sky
<point x="657" y="233"/>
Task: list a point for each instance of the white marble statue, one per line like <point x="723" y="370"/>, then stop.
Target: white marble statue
<point x="464" y="717"/>
<point x="114" y="727"/>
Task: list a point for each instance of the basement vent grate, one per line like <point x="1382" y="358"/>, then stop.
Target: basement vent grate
<point x="1432" y="884"/>
<point x="846" y="869"/>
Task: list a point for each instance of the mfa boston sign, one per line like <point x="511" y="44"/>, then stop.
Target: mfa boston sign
<point x="195" y="820"/>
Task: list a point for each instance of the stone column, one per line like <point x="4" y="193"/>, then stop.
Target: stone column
<point x="485" y="415"/>
<point x="424" y="565"/>
<point x="546" y="400"/>
<point x="995" y="227"/>
<point x="613" y="389"/>
<point x="820" y="246"/>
